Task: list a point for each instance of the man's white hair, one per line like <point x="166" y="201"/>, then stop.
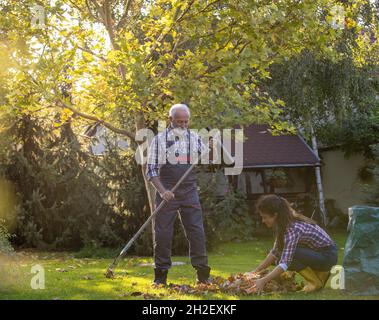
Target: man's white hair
<point x="178" y="106"/>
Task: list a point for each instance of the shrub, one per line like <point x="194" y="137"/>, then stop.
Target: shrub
<point x="72" y="200"/>
<point x="372" y="187"/>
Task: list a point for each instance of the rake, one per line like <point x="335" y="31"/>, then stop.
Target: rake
<point x="110" y="270"/>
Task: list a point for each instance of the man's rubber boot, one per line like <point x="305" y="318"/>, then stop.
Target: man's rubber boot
<point x="323" y="276"/>
<point x="313" y="282"/>
<point x="203" y="274"/>
<point x="160" y="277"/>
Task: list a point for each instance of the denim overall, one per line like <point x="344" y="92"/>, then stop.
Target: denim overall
<point x="187" y="204"/>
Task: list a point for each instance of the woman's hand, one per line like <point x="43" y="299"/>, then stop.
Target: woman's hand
<point x="259" y="285"/>
<point x="253" y="274"/>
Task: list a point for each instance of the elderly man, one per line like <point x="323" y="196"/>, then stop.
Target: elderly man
<point x="170" y="154"/>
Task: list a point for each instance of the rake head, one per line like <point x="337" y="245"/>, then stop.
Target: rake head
<point x="109" y="273"/>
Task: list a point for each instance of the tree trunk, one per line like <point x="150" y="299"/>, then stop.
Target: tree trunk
<point x="140" y="124"/>
<point x="139" y="119"/>
<point x="318" y="179"/>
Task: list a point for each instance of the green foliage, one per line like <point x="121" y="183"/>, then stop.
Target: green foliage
<point x="278" y="178"/>
<point x="127" y="65"/>
<point x="354" y="135"/>
<point x="226" y="217"/>
<point x="62" y="199"/>
<point x="372" y="188"/>
<point x="142" y="57"/>
<point x="319" y="89"/>
<point x="338" y="98"/>
<point x="5" y="246"/>
<point x="71" y="200"/>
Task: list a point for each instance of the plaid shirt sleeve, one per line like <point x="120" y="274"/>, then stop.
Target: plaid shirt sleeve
<point x="152" y="168"/>
<point x="291" y="240"/>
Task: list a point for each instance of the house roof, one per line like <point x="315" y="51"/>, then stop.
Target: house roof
<point x="263" y="150"/>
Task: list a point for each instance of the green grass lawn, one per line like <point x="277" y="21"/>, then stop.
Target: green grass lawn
<point x="67" y="276"/>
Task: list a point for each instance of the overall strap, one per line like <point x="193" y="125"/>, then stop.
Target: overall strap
<point x="189" y="147"/>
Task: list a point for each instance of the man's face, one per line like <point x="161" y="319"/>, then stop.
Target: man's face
<point x="180" y="120"/>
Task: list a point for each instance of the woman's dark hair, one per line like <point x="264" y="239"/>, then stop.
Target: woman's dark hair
<point x="272" y="204"/>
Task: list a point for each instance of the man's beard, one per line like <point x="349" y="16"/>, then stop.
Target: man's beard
<point x="179" y="131"/>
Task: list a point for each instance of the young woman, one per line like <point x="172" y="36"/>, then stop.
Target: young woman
<point x="300" y="245"/>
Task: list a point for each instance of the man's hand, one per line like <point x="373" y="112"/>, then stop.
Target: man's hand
<point x="167" y="195"/>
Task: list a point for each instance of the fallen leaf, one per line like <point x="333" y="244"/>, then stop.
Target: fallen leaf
<point x="241" y="284"/>
<point x="250" y="290"/>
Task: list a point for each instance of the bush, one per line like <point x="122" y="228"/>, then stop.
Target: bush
<point x="69" y="199"/>
<point x="5" y="246"/>
<point x="227" y="217"/>
<point x="63" y="201"/>
<point x="372" y="187"/>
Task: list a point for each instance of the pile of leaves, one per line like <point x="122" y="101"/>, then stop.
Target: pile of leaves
<point x="242" y="284"/>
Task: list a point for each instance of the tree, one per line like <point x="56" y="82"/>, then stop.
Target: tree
<point x="335" y="98"/>
<point x="126" y="61"/>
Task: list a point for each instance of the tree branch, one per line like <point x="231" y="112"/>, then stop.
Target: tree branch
<point x="91" y="14"/>
<point x="83" y="115"/>
<point x="164" y="35"/>
<point x="186" y="10"/>
<point x="124" y="17"/>
<point x="244" y="46"/>
<point x="202" y="10"/>
<point x="62" y="104"/>
<point x="76" y="6"/>
<point x="91" y="52"/>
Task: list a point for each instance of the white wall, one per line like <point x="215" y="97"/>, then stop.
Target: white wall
<point x="340" y="179"/>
